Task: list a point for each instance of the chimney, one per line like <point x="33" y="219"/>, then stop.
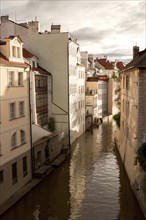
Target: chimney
<point x="135" y="51"/>
<point x="55" y="28"/>
<point x="4" y="18"/>
<point x="34" y="26"/>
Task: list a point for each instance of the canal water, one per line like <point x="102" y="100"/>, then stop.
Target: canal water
<point x="90" y="185"/>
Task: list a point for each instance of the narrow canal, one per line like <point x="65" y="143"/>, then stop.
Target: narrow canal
<point x="90" y="185"/>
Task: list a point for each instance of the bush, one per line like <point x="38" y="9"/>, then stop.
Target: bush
<point x="117" y="119"/>
<point x="51" y="124"/>
<point x="141" y="156"/>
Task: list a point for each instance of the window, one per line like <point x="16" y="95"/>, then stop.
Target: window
<point x="42" y="119"/>
<point x="21" y="108"/>
<point x="12" y="110"/>
<point x="24" y="166"/>
<point x="127" y="82"/>
<point x="1" y="176"/>
<point x="13" y="51"/>
<point x="22" y="136"/>
<point x="18" y="52"/>
<point x="33" y="64"/>
<point x="41" y="83"/>
<point x="20" y="78"/>
<point x="13" y="140"/>
<point x="11" y="78"/>
<point x="42" y="100"/>
<point x="14" y="173"/>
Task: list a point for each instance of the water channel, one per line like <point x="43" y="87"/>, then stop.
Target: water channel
<point x="90" y="185"/>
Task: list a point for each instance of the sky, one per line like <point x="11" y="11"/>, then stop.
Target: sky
<point x="102" y="27"/>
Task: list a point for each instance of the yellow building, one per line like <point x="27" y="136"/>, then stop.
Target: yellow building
<point x="133" y="121"/>
<point x="15" y="144"/>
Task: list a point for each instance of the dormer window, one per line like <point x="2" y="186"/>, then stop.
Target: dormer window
<point x="33" y="64"/>
<point x="16" y="52"/>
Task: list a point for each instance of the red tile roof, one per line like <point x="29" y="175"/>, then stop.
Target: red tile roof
<point x="28" y="54"/>
<point x="120" y="65"/>
<point x="4" y="61"/>
<point x="105" y="63"/>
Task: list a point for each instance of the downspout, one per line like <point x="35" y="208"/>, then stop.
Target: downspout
<point x="68" y="90"/>
<point x="32" y="150"/>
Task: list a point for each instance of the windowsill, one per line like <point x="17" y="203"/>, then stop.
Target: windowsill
<point x="11" y="86"/>
<point x="13" y="148"/>
<point x="11" y="119"/>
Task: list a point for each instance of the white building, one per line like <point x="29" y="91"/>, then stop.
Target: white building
<point x="15" y="143"/>
<point x="58" y="54"/>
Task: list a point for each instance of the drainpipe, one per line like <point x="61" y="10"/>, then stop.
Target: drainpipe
<point x="32" y="150"/>
<point x="68" y="89"/>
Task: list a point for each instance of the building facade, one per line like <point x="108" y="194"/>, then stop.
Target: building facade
<point x="15" y="142"/>
<point x="133" y="121"/>
<point x="58" y="54"/>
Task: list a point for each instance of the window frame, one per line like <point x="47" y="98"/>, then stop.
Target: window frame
<point x="14" y="140"/>
<point x="14" y="173"/>
<point x="12" y="111"/>
<point x="21" y="108"/>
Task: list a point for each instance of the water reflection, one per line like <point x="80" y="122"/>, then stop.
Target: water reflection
<point x="90" y="185"/>
<point x="99" y="186"/>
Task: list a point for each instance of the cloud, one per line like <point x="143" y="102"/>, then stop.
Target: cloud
<point x="99" y="26"/>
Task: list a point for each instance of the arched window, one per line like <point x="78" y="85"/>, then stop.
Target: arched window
<point x="22" y="136"/>
<point x="13" y="140"/>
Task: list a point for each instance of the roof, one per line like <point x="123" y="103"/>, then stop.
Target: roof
<point x="120" y="65"/>
<point x="5" y="61"/>
<point x="28" y="54"/>
<point x="138" y="61"/>
<point x="11" y="37"/>
<point x="97" y="78"/>
<point x="105" y="63"/>
<point x="2" y="42"/>
<point x="41" y="70"/>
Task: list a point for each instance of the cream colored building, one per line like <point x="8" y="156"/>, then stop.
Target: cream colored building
<point x="133" y="121"/>
<point x="58" y="54"/>
<point x="15" y="143"/>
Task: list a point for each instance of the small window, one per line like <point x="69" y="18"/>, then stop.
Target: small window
<point x="33" y="64"/>
<point x="12" y="110"/>
<point x="11" y="78"/>
<point x="21" y="108"/>
<point x="14" y="51"/>
<point x="22" y="136"/>
<point x="1" y="176"/>
<point x="14" y="173"/>
<point x="20" y="79"/>
<point x="18" y="52"/>
<point x="25" y="172"/>
<point x="13" y="140"/>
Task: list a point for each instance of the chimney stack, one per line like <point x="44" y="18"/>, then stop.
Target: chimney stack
<point x="135" y="51"/>
<point x="55" y="28"/>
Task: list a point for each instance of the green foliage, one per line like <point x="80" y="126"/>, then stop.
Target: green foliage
<point x="51" y="124"/>
<point x="117" y="119"/>
<point x="141" y="156"/>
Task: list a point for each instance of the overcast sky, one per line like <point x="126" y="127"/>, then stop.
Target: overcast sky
<point x="107" y="27"/>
